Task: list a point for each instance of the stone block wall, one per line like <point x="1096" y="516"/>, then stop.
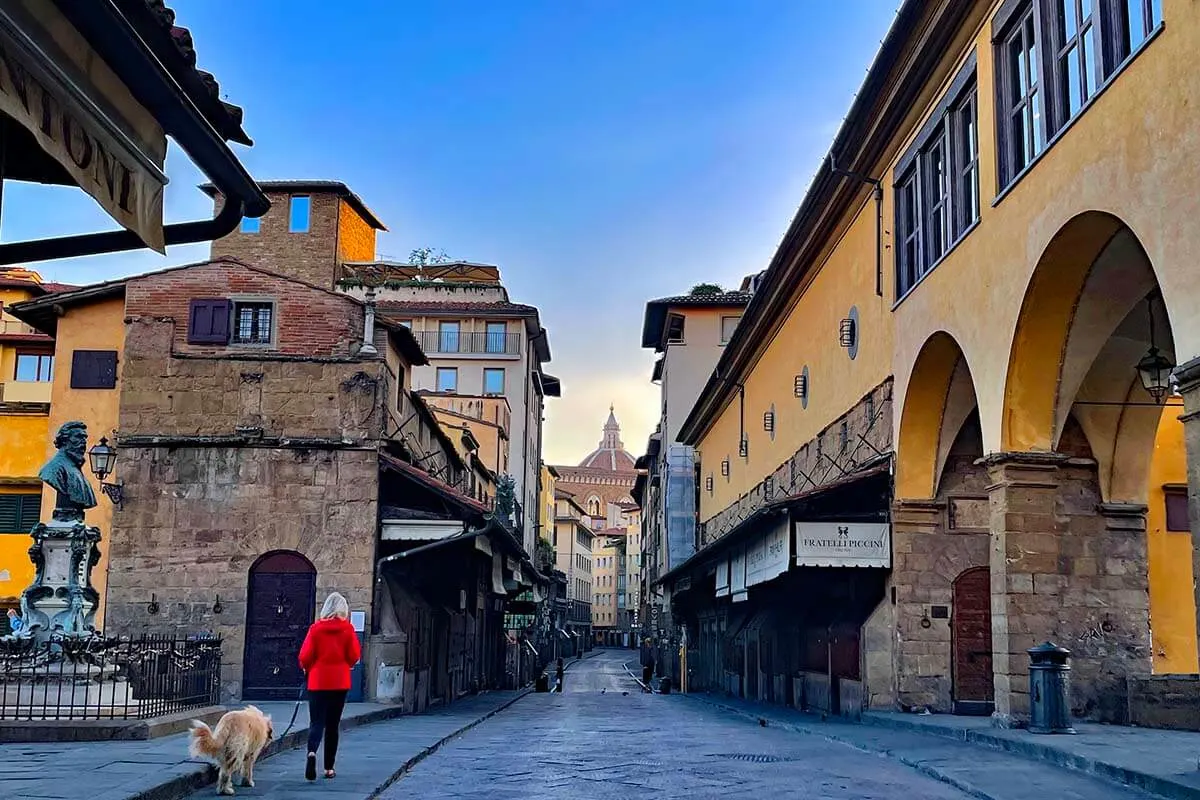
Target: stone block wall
<point x="196" y="518"/>
<point x="1165" y="701"/>
<point x="1070" y="569"/>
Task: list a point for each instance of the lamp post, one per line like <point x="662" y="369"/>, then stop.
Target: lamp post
<point x="103" y="458"/>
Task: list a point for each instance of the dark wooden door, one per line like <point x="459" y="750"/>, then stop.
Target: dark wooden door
<point x="971" y="635"/>
<point x="279" y="608"/>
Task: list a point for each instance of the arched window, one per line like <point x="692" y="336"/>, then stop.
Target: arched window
<point x="593" y="505"/>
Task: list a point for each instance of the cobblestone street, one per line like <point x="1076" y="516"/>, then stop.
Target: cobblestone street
<point x="603" y="737"/>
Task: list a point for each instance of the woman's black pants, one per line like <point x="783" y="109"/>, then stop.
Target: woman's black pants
<point x="324" y="717"/>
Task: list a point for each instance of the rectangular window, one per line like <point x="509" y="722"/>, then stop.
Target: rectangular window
<point x="447" y="379"/>
<point x="252" y="322"/>
<point x="298" y="213"/>
<point x="908" y="228"/>
<point x="35" y="367"/>
<point x="674" y="329"/>
<point x="251" y="224"/>
<point x="1076" y="64"/>
<point x="448" y="337"/>
<point x="966" y="160"/>
<point x="496" y="337"/>
<point x="208" y="321"/>
<point x="94" y="369"/>
<point x="19" y="512"/>
<point x="1134" y="21"/>
<point x="934" y="163"/>
<point x="407" y="323"/>
<point x="728" y="325"/>
<point x="1022" y="133"/>
<point x="493" y="381"/>
<point x="1177" y="508"/>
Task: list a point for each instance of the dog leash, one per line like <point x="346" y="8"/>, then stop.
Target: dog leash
<point x="295" y="712"/>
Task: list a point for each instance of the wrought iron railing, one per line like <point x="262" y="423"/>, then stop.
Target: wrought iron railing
<point x="443" y="342"/>
<point x="107" y="677"/>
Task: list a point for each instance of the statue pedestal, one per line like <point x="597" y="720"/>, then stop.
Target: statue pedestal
<point x="61" y="598"/>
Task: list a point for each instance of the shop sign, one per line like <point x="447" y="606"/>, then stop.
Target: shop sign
<point x="767" y="557"/>
<point x="82" y="120"/>
<point x="843" y="544"/>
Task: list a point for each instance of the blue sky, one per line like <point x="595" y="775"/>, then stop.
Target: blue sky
<point x="601" y="153"/>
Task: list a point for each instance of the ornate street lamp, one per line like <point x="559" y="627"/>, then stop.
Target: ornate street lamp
<point x="103" y="458"/>
<point x="1155" y="369"/>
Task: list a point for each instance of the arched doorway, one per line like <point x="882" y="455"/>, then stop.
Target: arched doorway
<point x="280" y="602"/>
<point x="971" y="641"/>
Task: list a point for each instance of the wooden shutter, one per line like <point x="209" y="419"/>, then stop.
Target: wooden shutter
<point x="208" y="321"/>
<point x="94" y="369"/>
<point x="1176" y="501"/>
<point x="19" y="512"/>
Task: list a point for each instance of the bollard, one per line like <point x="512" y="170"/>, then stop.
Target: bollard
<point x="1049" y="710"/>
<point x="542" y="684"/>
<point x="664" y="685"/>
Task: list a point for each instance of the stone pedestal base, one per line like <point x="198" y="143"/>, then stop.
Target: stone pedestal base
<point x="61" y="598"/>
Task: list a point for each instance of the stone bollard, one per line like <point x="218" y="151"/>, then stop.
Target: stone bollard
<point x="1049" y="709"/>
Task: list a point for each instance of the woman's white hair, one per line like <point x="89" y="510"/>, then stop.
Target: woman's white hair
<point x="335" y="606"/>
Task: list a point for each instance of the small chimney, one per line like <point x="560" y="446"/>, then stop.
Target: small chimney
<point x="368" y="348"/>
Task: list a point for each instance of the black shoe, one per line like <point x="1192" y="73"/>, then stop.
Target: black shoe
<point x="310" y="768"/>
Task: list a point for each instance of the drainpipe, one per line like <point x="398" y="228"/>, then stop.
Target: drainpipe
<point x="877" y="191"/>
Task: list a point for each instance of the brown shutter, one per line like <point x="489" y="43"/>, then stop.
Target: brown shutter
<point x="1177" y="508"/>
<point x="208" y="321"/>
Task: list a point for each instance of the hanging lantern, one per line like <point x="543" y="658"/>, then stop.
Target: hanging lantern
<point x="103" y="458"/>
<point x="1155" y="371"/>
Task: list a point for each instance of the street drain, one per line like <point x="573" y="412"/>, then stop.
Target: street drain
<point x="755" y="758"/>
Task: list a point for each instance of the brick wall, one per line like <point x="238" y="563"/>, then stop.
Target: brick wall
<point x="310" y="256"/>
<point x="309" y="321"/>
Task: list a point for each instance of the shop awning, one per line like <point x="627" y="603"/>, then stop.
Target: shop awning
<point x="564" y="634"/>
<point x="419" y="530"/>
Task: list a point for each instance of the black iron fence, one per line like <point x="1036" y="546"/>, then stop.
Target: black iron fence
<point x="107" y="677"/>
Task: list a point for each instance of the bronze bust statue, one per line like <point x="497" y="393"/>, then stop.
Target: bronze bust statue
<point x="64" y="474"/>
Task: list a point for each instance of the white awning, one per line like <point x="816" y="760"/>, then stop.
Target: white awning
<point x="843" y="544"/>
<point x="419" y="530"/>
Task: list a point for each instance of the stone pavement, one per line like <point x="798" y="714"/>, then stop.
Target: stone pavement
<point x="604" y="737"/>
<point x="970" y="753"/>
<point x="159" y="769"/>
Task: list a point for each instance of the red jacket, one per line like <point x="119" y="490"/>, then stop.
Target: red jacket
<point x="329" y="651"/>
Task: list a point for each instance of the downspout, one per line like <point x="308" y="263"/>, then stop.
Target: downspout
<point x="123" y="49"/>
<point x="876" y="185"/>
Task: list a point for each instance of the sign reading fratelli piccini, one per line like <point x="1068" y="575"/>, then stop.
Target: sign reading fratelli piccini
<point x="843" y="544"/>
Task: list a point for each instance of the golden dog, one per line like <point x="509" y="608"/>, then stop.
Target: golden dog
<point x="234" y="745"/>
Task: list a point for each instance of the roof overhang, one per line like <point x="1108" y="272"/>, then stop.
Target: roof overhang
<point x="654" y="323"/>
<point x="921" y="34"/>
<point x="419" y="530"/>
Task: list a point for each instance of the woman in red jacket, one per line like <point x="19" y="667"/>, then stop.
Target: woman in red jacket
<point x="330" y="649"/>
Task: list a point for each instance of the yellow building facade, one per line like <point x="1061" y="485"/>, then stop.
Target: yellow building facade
<point x="986" y="286"/>
<point x="26" y="373"/>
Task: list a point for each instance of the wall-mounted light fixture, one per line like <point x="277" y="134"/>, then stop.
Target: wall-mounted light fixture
<point x="103" y="458"/>
<point x="708" y="484"/>
<point x="744" y="447"/>
<point x="769" y="487"/>
<point x="800" y="387"/>
<point x="769" y="421"/>
<point x="152" y="606"/>
<point x="217" y="607"/>
<point x="725" y="468"/>
<point x="848" y="333"/>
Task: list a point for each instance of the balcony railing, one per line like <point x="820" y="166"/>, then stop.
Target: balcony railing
<point x="462" y="343"/>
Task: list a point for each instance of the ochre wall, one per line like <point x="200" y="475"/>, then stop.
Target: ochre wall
<point x="808" y="336"/>
<point x="356" y="237"/>
<point x="1172" y="603"/>
<point x="99" y="326"/>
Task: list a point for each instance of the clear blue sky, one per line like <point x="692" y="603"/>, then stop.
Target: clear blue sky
<point x="601" y="153"/>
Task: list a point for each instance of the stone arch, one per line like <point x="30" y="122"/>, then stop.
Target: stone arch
<point x="1083" y="326"/>
<point x="939" y="399"/>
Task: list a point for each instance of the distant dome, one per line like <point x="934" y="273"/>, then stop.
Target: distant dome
<point x="610" y="455"/>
